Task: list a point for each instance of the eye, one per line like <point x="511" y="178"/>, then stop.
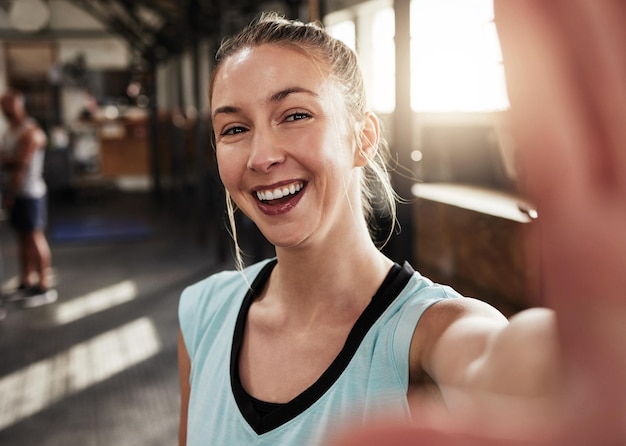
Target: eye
<point x="234" y="130"/>
<point x="297" y="116"/>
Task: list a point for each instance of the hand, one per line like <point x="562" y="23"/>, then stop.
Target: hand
<point x="566" y="71"/>
<point x="565" y="63"/>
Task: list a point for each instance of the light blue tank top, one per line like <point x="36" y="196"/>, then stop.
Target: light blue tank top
<point x="369" y="379"/>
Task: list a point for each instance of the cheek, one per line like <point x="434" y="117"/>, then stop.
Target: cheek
<point x="336" y="151"/>
<point x="230" y="168"/>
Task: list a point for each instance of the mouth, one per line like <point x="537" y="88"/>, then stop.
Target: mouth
<point x="281" y="194"/>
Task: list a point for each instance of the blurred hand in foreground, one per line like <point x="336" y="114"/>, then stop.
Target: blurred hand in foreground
<point x="565" y="64"/>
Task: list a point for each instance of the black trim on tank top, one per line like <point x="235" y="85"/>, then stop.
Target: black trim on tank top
<point x="261" y="407"/>
<point x="279" y="414"/>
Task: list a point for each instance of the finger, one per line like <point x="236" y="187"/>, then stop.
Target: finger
<point x="566" y="77"/>
<point x="411" y="435"/>
<point x="545" y="106"/>
<point x="596" y="32"/>
<point x="558" y="145"/>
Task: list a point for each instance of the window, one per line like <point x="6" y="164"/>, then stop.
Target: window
<point x="382" y="75"/>
<point x="369" y="29"/>
<point x="456" y="62"/>
<point x="344" y="31"/>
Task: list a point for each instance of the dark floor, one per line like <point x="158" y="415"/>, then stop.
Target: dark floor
<point x="98" y="367"/>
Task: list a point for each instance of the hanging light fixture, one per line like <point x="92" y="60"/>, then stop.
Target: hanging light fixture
<point x="29" y="15"/>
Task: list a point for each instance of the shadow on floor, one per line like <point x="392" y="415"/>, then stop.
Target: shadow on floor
<point x="98" y="367"/>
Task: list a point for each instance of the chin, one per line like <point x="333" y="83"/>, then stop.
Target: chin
<point x="285" y="241"/>
<point x="282" y="243"/>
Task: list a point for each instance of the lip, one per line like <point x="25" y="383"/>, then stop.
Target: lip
<point x="284" y="207"/>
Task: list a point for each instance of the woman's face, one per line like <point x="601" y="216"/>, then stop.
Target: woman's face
<point x="283" y="145"/>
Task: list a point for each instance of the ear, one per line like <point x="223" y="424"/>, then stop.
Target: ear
<point x="367" y="140"/>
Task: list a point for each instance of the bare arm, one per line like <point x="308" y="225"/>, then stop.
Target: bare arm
<point x="475" y="353"/>
<point x="184" y="368"/>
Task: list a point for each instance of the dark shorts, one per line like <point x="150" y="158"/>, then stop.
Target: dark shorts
<point x="29" y="214"/>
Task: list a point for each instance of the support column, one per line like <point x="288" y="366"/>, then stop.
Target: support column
<point x="155" y="160"/>
<point x="401" y="246"/>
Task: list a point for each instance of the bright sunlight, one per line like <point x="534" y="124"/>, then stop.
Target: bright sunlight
<point x="456" y="62"/>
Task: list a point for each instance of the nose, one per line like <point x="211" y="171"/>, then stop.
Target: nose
<point x="266" y="151"/>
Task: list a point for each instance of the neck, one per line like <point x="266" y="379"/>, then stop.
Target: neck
<point x="313" y="279"/>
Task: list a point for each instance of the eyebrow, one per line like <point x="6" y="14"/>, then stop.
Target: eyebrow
<point x="227" y="109"/>
<point x="282" y="94"/>
<point x="276" y="97"/>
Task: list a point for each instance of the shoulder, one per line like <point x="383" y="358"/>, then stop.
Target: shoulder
<point x="415" y="300"/>
<point x="216" y="288"/>
<point x="218" y="292"/>
<point x="206" y="306"/>
<point x="441" y="304"/>
<point x="452" y="331"/>
<point x="453" y="313"/>
<point x="420" y="293"/>
<point x="410" y="307"/>
<point x="207" y="286"/>
<point x="33" y="134"/>
<point x="430" y="312"/>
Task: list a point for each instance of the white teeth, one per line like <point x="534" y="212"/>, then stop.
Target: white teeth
<point x="277" y="193"/>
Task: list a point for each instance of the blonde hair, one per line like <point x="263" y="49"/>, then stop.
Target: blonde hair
<point x="342" y="65"/>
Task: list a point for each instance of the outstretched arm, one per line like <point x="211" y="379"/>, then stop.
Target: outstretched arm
<point x="565" y="64"/>
<point x="475" y="355"/>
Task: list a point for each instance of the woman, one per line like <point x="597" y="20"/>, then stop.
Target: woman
<point x="288" y="350"/>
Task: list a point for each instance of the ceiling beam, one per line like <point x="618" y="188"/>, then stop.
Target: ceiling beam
<point x="51" y="34"/>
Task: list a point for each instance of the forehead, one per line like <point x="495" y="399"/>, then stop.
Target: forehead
<point x="258" y="71"/>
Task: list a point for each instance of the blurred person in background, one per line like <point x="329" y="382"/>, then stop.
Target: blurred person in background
<point x="25" y="199"/>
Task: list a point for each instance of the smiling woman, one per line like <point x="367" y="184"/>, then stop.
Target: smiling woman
<point x="287" y="350"/>
<point x="279" y="131"/>
<point x="297" y="110"/>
